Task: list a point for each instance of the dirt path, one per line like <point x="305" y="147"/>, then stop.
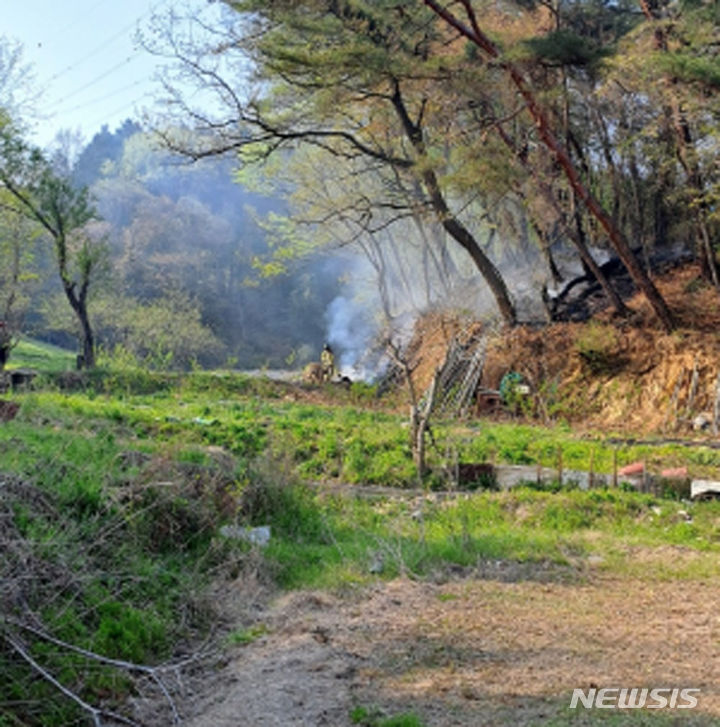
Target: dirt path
<point x="477" y="651"/>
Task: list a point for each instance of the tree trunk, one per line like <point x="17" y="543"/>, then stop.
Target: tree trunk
<point x="87" y="340"/>
<point x="689" y="163"/>
<point x="449" y="221"/>
<point x="575" y="236"/>
<point x="542" y="124"/>
<point x="683" y="145"/>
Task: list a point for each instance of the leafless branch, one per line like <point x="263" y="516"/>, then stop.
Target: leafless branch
<point x="95" y="712"/>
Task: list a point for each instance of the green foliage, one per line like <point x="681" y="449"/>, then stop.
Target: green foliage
<point x="242" y="637"/>
<point x="167" y="333"/>
<point x="289" y="508"/>
<point x="597" y="345"/>
<point x="91" y="570"/>
<point x="374" y="717"/>
<point x="565" y="48"/>
<point x="48" y="199"/>
<point x="691" y="68"/>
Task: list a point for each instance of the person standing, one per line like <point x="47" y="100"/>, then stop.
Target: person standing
<point x="327" y="361"/>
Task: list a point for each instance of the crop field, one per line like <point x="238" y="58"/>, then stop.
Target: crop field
<point x="441" y="608"/>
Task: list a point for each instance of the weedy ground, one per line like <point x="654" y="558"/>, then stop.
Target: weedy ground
<point x="433" y="609"/>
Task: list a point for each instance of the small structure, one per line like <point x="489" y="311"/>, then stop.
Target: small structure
<point x="704" y="490"/>
<point x="20" y="378"/>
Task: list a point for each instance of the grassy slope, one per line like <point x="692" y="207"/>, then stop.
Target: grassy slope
<point x="143" y="532"/>
<point x="43" y="357"/>
<point x="342" y="439"/>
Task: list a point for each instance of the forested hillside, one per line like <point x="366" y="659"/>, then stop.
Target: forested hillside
<point x="582" y="130"/>
<point x="358" y="163"/>
<point x="176" y="281"/>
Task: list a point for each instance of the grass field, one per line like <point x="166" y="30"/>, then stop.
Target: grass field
<point x="114" y="487"/>
<point x="41" y="356"/>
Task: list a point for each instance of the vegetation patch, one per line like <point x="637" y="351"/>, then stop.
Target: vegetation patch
<point x="114" y="503"/>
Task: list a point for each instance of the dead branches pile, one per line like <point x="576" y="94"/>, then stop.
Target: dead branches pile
<point x="52" y="601"/>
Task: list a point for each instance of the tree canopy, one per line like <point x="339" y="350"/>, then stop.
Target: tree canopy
<point x="436" y="106"/>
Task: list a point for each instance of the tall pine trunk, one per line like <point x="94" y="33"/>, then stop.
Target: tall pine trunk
<point x="562" y="157"/>
<point x="452" y="225"/>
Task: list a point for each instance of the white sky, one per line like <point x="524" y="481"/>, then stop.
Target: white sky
<point x="85" y="59"/>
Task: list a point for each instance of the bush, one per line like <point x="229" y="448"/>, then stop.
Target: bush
<point x="289" y="508"/>
<point x="598" y="347"/>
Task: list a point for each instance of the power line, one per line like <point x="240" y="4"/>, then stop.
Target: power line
<point x="61" y="104"/>
<point x="96" y="50"/>
<point x="99" y="99"/>
<point x="109" y="41"/>
<point x="102" y="76"/>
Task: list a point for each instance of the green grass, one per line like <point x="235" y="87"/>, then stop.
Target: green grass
<point x="106" y="566"/>
<point x="335" y="544"/>
<point x="121" y="504"/>
<point x="331" y="442"/>
<point x="43" y="357"/>
<point x="242" y="637"/>
<point x="373" y="717"/>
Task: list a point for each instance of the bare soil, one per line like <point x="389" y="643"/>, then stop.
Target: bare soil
<point x="505" y="645"/>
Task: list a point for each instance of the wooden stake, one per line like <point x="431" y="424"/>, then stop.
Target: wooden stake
<point x="560" y="466"/>
<point x="615" y="468"/>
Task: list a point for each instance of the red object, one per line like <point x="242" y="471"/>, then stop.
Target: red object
<point x="634" y="468"/>
<point x="677" y="473"/>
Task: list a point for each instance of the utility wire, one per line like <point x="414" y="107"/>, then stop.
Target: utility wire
<point x="99" y="99"/>
<point x="109" y="41"/>
<point x="102" y="76"/>
<point x="97" y="49"/>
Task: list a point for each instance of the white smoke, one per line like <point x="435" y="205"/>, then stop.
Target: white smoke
<point x="359" y="320"/>
<point x="351" y="332"/>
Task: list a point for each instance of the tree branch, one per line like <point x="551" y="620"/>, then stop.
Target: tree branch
<point x="95" y="712"/>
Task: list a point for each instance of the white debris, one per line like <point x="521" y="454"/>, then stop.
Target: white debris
<point x="704" y="487"/>
<point x="257" y="536"/>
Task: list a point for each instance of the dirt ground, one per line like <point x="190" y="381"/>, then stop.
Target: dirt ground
<point x="627" y="374"/>
<point x="503" y="646"/>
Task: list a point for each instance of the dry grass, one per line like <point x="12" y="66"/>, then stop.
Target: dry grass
<point x="625" y="374"/>
<point x="478" y="651"/>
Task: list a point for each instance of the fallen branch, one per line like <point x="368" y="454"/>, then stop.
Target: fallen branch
<point x="151" y="671"/>
<point x="95" y="712"/>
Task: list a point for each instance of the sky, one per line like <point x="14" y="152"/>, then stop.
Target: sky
<point x="86" y="60"/>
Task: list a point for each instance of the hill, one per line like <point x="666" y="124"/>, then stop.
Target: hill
<point x="627" y="374"/>
<point x="42" y="356"/>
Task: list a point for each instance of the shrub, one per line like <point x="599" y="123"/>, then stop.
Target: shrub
<point x="598" y="347"/>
